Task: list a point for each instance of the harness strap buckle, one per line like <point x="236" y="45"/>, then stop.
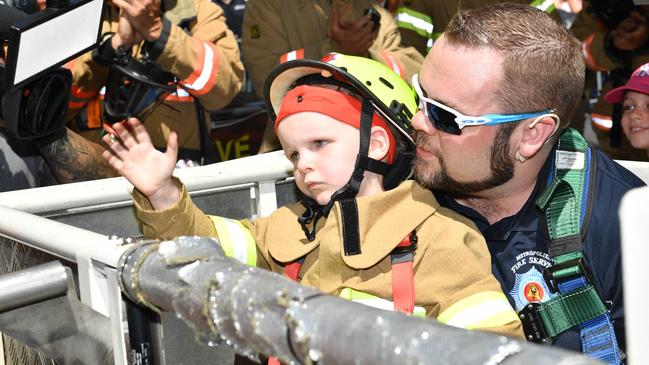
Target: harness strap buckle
<point x="566" y="269"/>
<point x="532" y="323"/>
<point x="405" y="251"/>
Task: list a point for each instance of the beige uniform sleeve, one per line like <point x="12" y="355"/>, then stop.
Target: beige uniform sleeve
<point x="181" y="219"/>
<point x="207" y="61"/>
<point x="186" y="219"/>
<point x="264" y="41"/>
<point x="458" y="270"/>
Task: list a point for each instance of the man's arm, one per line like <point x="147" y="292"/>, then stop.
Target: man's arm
<point x="73" y="158"/>
<point x="207" y="61"/>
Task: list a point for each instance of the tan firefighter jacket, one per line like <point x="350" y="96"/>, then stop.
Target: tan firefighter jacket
<point x="452" y="269"/>
<point x="423" y="21"/>
<point x="196" y="46"/>
<point x="275" y="31"/>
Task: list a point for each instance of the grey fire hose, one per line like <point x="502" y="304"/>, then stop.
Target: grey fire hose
<point x="259" y="312"/>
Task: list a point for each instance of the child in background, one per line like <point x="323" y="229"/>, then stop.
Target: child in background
<point x="360" y="232"/>
<point x="634" y="96"/>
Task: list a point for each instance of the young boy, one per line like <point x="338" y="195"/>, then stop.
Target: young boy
<point x="634" y="96"/>
<point x="359" y="232"/>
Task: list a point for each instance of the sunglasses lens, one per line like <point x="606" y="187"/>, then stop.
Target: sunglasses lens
<point x="442" y="119"/>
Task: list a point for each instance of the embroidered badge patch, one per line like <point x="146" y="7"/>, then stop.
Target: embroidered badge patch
<point x="530" y="287"/>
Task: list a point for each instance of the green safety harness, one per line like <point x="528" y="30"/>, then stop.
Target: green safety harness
<point x="566" y="203"/>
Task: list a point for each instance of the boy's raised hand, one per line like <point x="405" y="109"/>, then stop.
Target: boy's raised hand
<point x="148" y="169"/>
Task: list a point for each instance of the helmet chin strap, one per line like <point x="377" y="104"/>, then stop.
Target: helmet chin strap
<point x="346" y="196"/>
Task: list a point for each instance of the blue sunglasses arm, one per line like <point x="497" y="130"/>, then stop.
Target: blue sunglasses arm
<point x="507" y="118"/>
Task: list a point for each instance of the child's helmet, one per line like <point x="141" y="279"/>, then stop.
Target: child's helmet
<point x="381" y="91"/>
<point x="385" y="91"/>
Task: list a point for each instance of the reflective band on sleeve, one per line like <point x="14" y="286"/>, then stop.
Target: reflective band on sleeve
<point x="418" y="22"/>
<point x="206" y="66"/>
<point x="180" y="95"/>
<point x="601" y="122"/>
<point x="481" y="310"/>
<point x="393" y="63"/>
<point x="236" y="240"/>
<point x="205" y="70"/>
<point x="79" y="98"/>
<point x="544" y="5"/>
<point x="296" y="54"/>
<point x="375" y="302"/>
<point x="588" y="55"/>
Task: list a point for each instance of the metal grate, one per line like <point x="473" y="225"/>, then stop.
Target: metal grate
<point x="13" y="257"/>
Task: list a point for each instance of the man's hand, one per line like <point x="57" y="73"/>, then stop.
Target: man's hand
<point x="143" y="15"/>
<point x="148" y="169"/>
<point x="353" y="38"/>
<point x="632" y="33"/>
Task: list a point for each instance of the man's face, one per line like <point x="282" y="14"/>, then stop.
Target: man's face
<point x="479" y="159"/>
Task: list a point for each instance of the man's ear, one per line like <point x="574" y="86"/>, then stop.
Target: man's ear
<point x="379" y="143"/>
<point x="536" y="134"/>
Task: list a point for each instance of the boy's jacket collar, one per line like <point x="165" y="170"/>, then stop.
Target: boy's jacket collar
<point x="384" y="220"/>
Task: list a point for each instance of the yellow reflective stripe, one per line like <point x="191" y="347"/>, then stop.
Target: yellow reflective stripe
<point x="544" y="5"/>
<point x="236" y="240"/>
<point x="418" y="22"/>
<point x="375" y="302"/>
<point x="484" y="309"/>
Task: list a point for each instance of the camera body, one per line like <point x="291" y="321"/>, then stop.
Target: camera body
<point x="34" y="89"/>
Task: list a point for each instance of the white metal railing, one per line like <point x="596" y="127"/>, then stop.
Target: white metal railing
<point x="259" y="168"/>
<point x="96" y="255"/>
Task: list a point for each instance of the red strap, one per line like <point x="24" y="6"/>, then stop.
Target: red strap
<point x="403" y="284"/>
<point x="403" y="281"/>
<point x="292" y="270"/>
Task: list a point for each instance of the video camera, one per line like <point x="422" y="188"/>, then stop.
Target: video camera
<point x="34" y="89"/>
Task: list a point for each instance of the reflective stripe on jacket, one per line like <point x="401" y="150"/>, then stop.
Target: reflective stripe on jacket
<point x="203" y="55"/>
<point x="276" y="30"/>
<point x="446" y="241"/>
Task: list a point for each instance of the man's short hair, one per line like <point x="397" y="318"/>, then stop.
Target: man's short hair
<point x="543" y="66"/>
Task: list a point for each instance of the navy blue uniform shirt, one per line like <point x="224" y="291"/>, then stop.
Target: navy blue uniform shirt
<point x="519" y="245"/>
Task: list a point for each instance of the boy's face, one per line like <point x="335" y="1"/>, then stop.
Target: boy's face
<point x="323" y="152"/>
<point x="635" y="119"/>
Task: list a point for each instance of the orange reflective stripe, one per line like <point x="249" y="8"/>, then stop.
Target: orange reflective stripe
<point x="601" y="122"/>
<point x="180" y="95"/>
<point x="80" y="94"/>
<point x="588" y="55"/>
<point x="296" y="54"/>
<point x="70" y="64"/>
<point x="94" y="113"/>
<point x="202" y="80"/>
<point x="393" y="63"/>
<point x="76" y="105"/>
<point x="79" y="98"/>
